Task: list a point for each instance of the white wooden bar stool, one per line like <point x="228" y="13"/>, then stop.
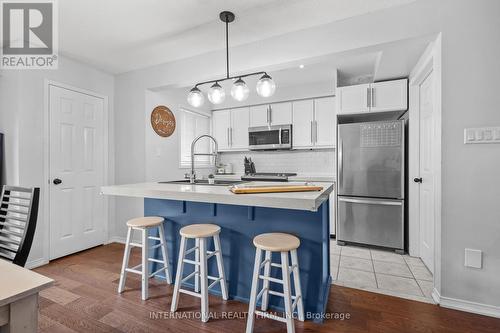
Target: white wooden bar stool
<point x="200" y="233"/>
<point x="285" y="244"/>
<point x="144" y="224"/>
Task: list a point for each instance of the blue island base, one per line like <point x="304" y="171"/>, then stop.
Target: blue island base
<point x="240" y="224"/>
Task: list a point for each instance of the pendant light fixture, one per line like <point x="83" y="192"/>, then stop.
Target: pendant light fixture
<point x="239" y="91"/>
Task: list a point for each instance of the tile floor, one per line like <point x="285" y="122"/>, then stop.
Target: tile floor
<point x="380" y="271"/>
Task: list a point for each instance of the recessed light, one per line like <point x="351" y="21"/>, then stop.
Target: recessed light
<point x="301" y="66"/>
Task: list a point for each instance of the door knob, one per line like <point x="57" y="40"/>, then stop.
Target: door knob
<point x="57" y="181"/>
<point x="417" y="180"/>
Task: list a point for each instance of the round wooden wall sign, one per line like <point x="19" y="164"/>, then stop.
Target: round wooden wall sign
<point x="163" y="121"/>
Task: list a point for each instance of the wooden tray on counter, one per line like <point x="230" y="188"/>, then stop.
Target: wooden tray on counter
<point x="275" y="188"/>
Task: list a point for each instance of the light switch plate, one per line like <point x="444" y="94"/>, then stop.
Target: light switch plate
<point x="473" y="258"/>
<point x="482" y="135"/>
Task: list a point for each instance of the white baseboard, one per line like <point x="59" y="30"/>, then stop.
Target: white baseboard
<point x="116" y="239"/>
<point x="467" y="306"/>
<point x="36" y="263"/>
<point x="436" y="296"/>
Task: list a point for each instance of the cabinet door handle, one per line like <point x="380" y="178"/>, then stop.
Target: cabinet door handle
<point x="268" y="117"/>
<point x="270" y="114"/>
<point x="372" y="97"/>
<point x="312" y="138"/>
<point x="228" y="141"/>
<point x="368" y="97"/>
<point x="315" y="131"/>
<point x="231" y="136"/>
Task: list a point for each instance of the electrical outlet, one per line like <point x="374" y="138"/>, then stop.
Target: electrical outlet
<point x="473" y="258"/>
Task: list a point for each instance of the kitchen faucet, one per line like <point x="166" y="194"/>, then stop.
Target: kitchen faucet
<point x="192" y="175"/>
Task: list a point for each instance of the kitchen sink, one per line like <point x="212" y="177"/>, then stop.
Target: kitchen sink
<point x="204" y="182"/>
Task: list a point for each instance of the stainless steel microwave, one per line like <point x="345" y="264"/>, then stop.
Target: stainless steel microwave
<point x="270" y="137"/>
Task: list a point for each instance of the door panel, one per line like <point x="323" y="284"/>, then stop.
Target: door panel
<point x="221" y="122"/>
<point x="371" y="221"/>
<point x="325" y="122"/>
<point x="371" y="159"/>
<point x="389" y="95"/>
<point x="259" y="115"/>
<point x="353" y="99"/>
<point x="302" y="124"/>
<point x="427" y="191"/>
<point x="77" y="216"/>
<point x="239" y="128"/>
<point x="281" y="113"/>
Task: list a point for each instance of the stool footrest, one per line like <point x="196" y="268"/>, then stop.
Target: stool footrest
<point x="155" y="246"/>
<point x="277" y="293"/>
<point x="156" y="260"/>
<point x="189" y="292"/>
<point x="192" y="262"/>
<point x="154" y="238"/>
<point x="130" y="270"/>
<point x="270" y="316"/>
<point x="214" y="283"/>
<point x="189" y="276"/>
<point x="157" y="271"/>
<point x="135" y="244"/>
<point x="210" y="254"/>
<point x="191" y="250"/>
<point x="263" y="277"/>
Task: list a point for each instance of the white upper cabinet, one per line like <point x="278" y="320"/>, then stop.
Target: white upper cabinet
<point x="374" y="97"/>
<point x="221" y="123"/>
<point x="303" y="116"/>
<point x="353" y="99"/>
<point x="314" y="123"/>
<point x="259" y="115"/>
<point x="280" y="113"/>
<point x="230" y="128"/>
<point x="271" y="114"/>
<point x="325" y="122"/>
<point x="239" y="128"/>
<point x="389" y="96"/>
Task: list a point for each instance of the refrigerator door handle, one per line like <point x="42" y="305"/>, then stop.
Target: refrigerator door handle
<point x="372" y="202"/>
<point x="340" y="162"/>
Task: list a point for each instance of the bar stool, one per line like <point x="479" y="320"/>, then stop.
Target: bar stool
<point x="199" y="232"/>
<point x="285" y="244"/>
<point x="144" y="224"/>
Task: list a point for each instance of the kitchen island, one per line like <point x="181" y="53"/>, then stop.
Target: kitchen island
<point x="242" y="217"/>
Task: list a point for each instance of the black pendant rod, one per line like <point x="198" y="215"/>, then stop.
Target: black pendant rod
<point x="230" y="78"/>
<point x="227" y="47"/>
<point x="228" y="17"/>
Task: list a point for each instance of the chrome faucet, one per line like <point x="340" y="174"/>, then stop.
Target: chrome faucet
<point x="192" y="175"/>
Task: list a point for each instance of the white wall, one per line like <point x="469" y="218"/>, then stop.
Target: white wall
<point x="21" y="118"/>
<point x="470" y="54"/>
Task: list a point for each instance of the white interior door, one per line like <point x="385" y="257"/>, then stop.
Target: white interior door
<point x="427" y="172"/>
<point x="77" y="215"/>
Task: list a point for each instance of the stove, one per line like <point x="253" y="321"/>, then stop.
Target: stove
<point x="268" y="176"/>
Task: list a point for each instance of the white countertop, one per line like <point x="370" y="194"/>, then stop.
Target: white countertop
<point x="298" y="178"/>
<point x="221" y="194"/>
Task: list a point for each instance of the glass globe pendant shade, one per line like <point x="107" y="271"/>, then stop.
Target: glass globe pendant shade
<point x="216" y="94"/>
<point x="240" y="90"/>
<point x="266" y="86"/>
<point x="195" y="97"/>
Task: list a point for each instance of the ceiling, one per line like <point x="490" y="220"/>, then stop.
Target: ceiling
<point x="119" y="36"/>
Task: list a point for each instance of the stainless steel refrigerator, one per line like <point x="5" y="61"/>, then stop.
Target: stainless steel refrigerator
<point x="370" y="171"/>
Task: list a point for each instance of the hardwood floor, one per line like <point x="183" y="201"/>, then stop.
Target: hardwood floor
<point x="84" y="299"/>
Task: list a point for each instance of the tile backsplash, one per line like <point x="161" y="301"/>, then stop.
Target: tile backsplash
<point x="302" y="162"/>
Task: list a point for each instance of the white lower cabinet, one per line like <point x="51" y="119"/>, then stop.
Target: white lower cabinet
<point x="230" y="128"/>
